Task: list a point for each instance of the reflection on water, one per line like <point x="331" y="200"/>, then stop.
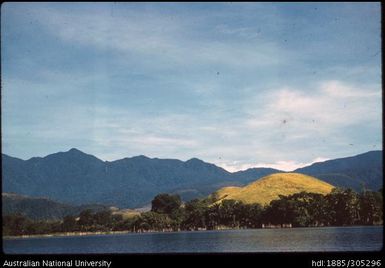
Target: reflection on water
<point x="257" y="240"/>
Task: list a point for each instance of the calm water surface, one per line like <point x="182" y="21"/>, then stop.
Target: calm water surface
<point x="256" y="240"/>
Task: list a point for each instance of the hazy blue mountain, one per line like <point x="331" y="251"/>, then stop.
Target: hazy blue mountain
<point x="73" y="175"/>
<point x="39" y="208"/>
<point x="353" y="172"/>
<point x="77" y="178"/>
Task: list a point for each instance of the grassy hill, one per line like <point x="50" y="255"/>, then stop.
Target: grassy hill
<point x="127" y="213"/>
<point x="270" y="187"/>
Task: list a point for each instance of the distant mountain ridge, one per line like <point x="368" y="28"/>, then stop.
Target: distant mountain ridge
<point x="38" y="208"/>
<point x="356" y="172"/>
<point x="78" y="178"/>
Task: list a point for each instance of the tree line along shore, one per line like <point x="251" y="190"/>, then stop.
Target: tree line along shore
<point x="341" y="207"/>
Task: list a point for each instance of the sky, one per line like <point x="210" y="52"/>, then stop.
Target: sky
<point x="239" y="85"/>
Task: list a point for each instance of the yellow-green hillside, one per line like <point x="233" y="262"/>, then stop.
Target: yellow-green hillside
<point x="127" y="213"/>
<point x="270" y="187"/>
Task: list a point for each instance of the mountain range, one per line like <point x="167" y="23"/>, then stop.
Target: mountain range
<point x="356" y="172"/>
<point x="78" y="178"/>
<point x="37" y="208"/>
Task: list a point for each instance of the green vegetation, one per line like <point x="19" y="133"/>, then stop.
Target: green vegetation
<point x="341" y="207"/>
<point x="165" y="203"/>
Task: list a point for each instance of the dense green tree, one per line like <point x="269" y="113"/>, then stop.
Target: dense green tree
<point x="251" y="216"/>
<point x="124" y="224"/>
<point x="371" y="207"/>
<point x="300" y="209"/>
<point x="165" y="203"/>
<point x="210" y="217"/>
<point x="116" y="220"/>
<point x="153" y="221"/>
<point x="344" y="207"/>
<point x="195" y="215"/>
<point x="86" y="218"/>
<point x="309" y="209"/>
<point x="229" y="212"/>
<point x="318" y="210"/>
<point x="279" y="211"/>
<point x="15" y="224"/>
<point x="103" y="218"/>
<point x="69" y="224"/>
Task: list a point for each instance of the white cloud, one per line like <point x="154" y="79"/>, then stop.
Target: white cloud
<point x="294" y="125"/>
<point x="154" y="37"/>
<point x="290" y="165"/>
<point x="331" y="106"/>
<point x="339" y="90"/>
<point x="237" y="32"/>
<point x="284" y="165"/>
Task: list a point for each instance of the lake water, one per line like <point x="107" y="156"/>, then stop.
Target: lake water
<point x="256" y="240"/>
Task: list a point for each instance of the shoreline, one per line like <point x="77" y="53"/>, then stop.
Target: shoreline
<point x="64" y="234"/>
<point x="74" y="234"/>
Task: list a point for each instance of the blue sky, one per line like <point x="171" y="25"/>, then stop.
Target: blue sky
<point x="239" y="85"/>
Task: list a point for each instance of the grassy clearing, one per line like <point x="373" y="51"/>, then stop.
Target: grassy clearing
<point x="264" y="190"/>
